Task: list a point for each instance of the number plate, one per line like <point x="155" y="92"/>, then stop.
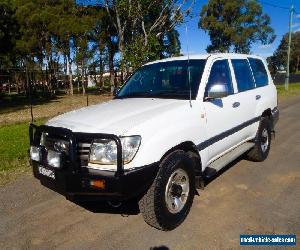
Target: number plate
<point x="46" y="172"/>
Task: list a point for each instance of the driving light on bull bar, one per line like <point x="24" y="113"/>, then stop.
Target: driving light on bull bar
<point x="35" y="153"/>
<point x="104" y="151"/>
<point x="54" y="159"/>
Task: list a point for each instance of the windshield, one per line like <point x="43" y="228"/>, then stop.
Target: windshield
<point x="172" y="79"/>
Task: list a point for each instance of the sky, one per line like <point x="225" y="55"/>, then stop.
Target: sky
<point x="198" y="39"/>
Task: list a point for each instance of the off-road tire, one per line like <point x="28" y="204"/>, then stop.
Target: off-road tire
<point x="153" y="205"/>
<point x="256" y="153"/>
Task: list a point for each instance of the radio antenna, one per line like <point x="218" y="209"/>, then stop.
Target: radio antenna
<point x="188" y="67"/>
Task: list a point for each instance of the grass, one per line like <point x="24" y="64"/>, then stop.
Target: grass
<point x="14" y="139"/>
<point x="294" y="90"/>
<point x="14" y="143"/>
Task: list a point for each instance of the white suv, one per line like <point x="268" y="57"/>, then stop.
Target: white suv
<point x="175" y="123"/>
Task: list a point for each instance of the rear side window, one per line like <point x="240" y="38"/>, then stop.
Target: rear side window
<point x="259" y="72"/>
<point x="243" y="74"/>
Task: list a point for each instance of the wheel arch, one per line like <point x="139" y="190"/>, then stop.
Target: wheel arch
<point x="190" y="148"/>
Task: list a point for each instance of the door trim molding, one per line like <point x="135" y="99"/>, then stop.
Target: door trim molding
<point x="226" y="133"/>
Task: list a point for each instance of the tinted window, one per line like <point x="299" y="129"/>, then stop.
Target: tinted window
<point x="243" y="74"/>
<point x="219" y="74"/>
<point x="259" y="72"/>
<point x="165" y="80"/>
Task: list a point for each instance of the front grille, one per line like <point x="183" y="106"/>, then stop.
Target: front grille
<point x="83" y="149"/>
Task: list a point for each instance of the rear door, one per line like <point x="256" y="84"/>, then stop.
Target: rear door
<point x="245" y="97"/>
<point x="262" y="90"/>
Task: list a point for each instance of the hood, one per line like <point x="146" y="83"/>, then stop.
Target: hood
<point x="116" y="116"/>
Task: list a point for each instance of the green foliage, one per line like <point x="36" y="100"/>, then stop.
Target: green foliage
<point x="138" y="53"/>
<point x="235" y="25"/>
<point x="279" y="58"/>
<point x="48" y="37"/>
<point x="152" y="33"/>
<point x="8" y="33"/>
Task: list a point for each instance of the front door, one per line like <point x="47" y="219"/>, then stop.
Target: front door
<point x="223" y="115"/>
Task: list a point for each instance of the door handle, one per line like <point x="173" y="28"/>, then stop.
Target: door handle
<point x="235" y="104"/>
<point x="257" y="97"/>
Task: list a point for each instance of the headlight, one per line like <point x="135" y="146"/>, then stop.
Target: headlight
<point x="54" y="159"/>
<point x="35" y="153"/>
<point x="105" y="151"/>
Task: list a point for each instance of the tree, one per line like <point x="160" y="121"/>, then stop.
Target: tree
<point x="235" y="25"/>
<point x="35" y="41"/>
<point x="142" y="26"/>
<point x="8" y="33"/>
<point x="279" y="57"/>
<point x="47" y="38"/>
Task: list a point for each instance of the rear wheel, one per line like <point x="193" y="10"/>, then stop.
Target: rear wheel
<point x="168" y="201"/>
<point x="262" y="145"/>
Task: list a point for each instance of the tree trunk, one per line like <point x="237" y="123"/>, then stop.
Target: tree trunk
<point x="111" y="69"/>
<point x="71" y="92"/>
<point x="83" y="77"/>
<point x="101" y="71"/>
<point x="77" y="73"/>
<point x="65" y="77"/>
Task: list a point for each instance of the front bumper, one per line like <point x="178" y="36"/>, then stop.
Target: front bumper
<point x="74" y="181"/>
<point x="76" y="185"/>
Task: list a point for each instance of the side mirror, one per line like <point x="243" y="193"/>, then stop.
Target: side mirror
<point x="217" y="91"/>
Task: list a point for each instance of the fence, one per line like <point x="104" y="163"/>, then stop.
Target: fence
<point x="280" y="78"/>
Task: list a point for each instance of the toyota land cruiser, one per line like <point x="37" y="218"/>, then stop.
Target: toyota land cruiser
<point x="175" y="123"/>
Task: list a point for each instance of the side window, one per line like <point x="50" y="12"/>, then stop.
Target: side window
<point x="219" y="74"/>
<point x="243" y="74"/>
<point x="259" y="72"/>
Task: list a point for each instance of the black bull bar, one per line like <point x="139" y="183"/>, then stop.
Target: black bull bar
<point x="35" y="133"/>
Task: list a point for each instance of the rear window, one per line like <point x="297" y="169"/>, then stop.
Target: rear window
<point x="259" y="72"/>
<point x="243" y="74"/>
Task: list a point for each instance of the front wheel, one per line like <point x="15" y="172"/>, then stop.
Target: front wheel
<point x="169" y="199"/>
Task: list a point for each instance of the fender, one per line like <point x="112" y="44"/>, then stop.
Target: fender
<point x="184" y="125"/>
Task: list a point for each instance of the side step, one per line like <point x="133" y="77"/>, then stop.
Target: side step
<point x="213" y="168"/>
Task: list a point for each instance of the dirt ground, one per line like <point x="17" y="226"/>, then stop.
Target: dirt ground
<point x="247" y="198"/>
<point x="52" y="108"/>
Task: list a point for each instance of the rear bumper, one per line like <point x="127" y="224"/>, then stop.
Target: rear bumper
<point x="76" y="185"/>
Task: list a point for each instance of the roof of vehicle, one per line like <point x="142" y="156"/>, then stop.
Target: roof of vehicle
<point x="205" y="56"/>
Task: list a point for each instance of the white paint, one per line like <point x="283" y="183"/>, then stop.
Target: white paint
<point x="165" y="123"/>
